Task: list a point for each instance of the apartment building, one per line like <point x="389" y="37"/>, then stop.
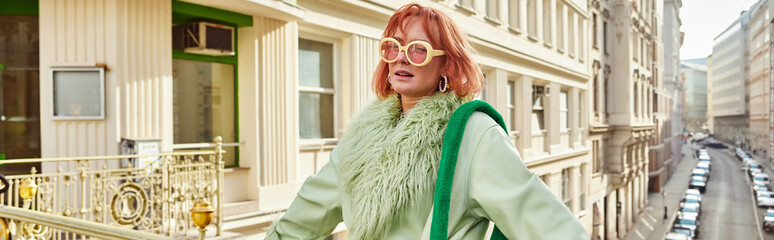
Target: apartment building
<point x="758" y="78"/>
<point x="663" y="158"/>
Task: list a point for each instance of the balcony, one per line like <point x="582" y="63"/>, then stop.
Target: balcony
<point x="146" y="195"/>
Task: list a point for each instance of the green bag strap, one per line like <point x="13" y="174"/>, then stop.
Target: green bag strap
<point x="451" y="148"/>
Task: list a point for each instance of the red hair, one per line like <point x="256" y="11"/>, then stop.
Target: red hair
<point x="465" y="77"/>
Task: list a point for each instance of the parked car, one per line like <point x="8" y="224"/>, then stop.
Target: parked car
<point x="768" y="220"/>
<point x="676" y="236"/>
<point x="700" y="172"/>
<point x="690" y="201"/>
<point x="693" y="192"/>
<point x="690" y="223"/>
<point x="689" y="210"/>
<point x="765" y="199"/>
<point x="760" y="188"/>
<point x="698" y="183"/>
<point x="760" y="178"/>
<point x="684" y="231"/>
<point x="702" y="164"/>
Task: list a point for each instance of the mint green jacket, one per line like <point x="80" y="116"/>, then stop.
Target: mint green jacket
<point x="491" y="183"/>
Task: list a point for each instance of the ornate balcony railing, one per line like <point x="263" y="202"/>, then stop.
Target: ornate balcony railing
<point x="114" y="191"/>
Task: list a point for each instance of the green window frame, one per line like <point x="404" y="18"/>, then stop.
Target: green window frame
<point x="183" y="12"/>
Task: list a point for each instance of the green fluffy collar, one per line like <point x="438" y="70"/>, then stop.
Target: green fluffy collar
<point x="389" y="163"/>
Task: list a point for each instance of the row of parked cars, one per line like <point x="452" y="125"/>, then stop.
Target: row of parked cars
<point x="764" y="196"/>
<point x="687" y="223"/>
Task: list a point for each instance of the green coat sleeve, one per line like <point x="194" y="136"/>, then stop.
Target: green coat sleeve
<point x="502" y="189"/>
<point x="316" y="210"/>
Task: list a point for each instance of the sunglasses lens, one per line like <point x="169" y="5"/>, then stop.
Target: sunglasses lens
<point x="389" y="50"/>
<point x="417" y="53"/>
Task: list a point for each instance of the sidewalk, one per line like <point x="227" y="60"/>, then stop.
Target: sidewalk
<point x="650" y="224"/>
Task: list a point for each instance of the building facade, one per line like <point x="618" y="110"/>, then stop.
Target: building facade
<point x="759" y="62"/>
<point x="694" y="71"/>
<point x="299" y="71"/>
<point x="727" y="74"/>
<point x="665" y="102"/>
<point x="622" y="87"/>
<point x="579" y="83"/>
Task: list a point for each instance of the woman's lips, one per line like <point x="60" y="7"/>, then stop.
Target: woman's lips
<point x="403" y="75"/>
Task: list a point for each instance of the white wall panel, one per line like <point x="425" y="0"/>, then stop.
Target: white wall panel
<point x="133" y="39"/>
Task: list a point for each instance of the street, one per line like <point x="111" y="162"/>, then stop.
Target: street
<point x="728" y="206"/>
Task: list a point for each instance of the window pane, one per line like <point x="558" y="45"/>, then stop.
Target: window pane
<point x="315" y="115"/>
<point x="315" y="64"/>
<point x="77" y="93"/>
<point x="19" y="92"/>
<point x="204" y="103"/>
<point x="537" y="120"/>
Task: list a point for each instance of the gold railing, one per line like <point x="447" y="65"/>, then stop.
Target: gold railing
<point x="158" y="198"/>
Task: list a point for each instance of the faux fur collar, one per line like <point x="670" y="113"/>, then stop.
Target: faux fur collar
<point x="389" y="163"/>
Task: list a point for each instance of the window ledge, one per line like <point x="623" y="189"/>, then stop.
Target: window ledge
<point x="572" y="55"/>
<point x="235" y="169"/>
<point x="492" y="20"/>
<point x="532" y="38"/>
<point x="466" y="9"/>
<point x="548" y="44"/>
<point x="560" y="50"/>
<point x="514" y="30"/>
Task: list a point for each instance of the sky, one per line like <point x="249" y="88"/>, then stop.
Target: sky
<point x="703" y="20"/>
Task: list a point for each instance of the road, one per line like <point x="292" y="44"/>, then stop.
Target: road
<point x="728" y="206"/>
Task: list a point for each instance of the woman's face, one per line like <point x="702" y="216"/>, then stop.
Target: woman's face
<point x="410" y="80"/>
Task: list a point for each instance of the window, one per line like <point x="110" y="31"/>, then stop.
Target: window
<point x="466" y="4"/>
<point x="511" y="114"/>
<point x="571" y="32"/>
<point x="482" y="95"/>
<point x="559" y="25"/>
<point x="604" y="36"/>
<point x="595" y="86"/>
<point x="581" y="39"/>
<point x="203" y="103"/>
<point x="582" y="190"/>
<point x="315" y="89"/>
<point x="563" y="113"/>
<point x="566" y="188"/>
<point x="635" y="48"/>
<point x="636" y="98"/>
<point x="514" y="13"/>
<point x="547" y="21"/>
<point x="594" y="31"/>
<point x="78" y="93"/>
<point x="537" y="109"/>
<point x="492" y="9"/>
<point x="531" y="17"/>
<point x="596" y="153"/>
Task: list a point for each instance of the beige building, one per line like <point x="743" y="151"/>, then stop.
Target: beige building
<point x="665" y="144"/>
<point x="759" y="60"/>
<point x="727" y="73"/>
<point x="574" y="80"/>
<point x="625" y="72"/>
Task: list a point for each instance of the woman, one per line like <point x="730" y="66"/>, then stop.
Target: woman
<point x="381" y="176"/>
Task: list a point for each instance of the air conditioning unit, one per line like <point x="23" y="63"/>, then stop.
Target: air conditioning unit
<point x="539" y="91"/>
<point x="203" y="38"/>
